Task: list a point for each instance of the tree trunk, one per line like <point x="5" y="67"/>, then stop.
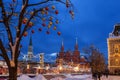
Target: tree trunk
<point x="99" y="78"/>
<point x="13" y="73"/>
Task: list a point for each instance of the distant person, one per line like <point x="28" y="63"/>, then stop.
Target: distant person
<point x="95" y="76"/>
<point x="99" y="76"/>
<point x="106" y="73"/>
<point x="1" y="70"/>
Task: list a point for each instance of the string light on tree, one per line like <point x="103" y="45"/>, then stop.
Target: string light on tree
<point x="59" y="33"/>
<point x="25" y="34"/>
<point x="53" y="7"/>
<point x="54" y="28"/>
<point x="30" y="24"/>
<point x="46" y="8"/>
<point x="56" y="12"/>
<point x="24" y="20"/>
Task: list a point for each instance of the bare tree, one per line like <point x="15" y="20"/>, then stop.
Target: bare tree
<point x="19" y="16"/>
<point x="96" y="60"/>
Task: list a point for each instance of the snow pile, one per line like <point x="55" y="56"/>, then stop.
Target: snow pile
<point x="68" y="77"/>
<point x="24" y="77"/>
<point x="57" y="78"/>
<point x="78" y="77"/>
<point x="39" y="77"/>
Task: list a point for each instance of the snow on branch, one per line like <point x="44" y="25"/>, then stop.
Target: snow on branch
<point x="35" y="4"/>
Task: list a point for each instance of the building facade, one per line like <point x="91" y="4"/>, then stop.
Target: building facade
<point x="114" y="49"/>
<point x="72" y="58"/>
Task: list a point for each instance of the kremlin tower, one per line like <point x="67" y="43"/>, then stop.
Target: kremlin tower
<point x="76" y="53"/>
<point x="61" y="53"/>
<point x="69" y="56"/>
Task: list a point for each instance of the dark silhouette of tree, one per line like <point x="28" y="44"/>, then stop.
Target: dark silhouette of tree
<point x="96" y="60"/>
<point x="19" y="16"/>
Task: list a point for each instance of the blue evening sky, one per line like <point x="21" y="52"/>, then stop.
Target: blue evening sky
<point x="94" y="20"/>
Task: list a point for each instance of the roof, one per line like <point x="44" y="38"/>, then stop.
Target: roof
<point x="116" y="30"/>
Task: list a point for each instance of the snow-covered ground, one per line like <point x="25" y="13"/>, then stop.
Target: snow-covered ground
<point x="68" y="77"/>
<point x="25" y="77"/>
<point x="78" y="77"/>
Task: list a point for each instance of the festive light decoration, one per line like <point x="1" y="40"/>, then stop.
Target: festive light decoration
<point x="43" y="19"/>
<point x="56" y="12"/>
<point x="31" y="13"/>
<point x="67" y="3"/>
<point x="25" y="34"/>
<point x="28" y="66"/>
<point x="30" y="24"/>
<point x="12" y="63"/>
<point x="51" y="18"/>
<point x="49" y="26"/>
<point x="33" y="31"/>
<point x="57" y="21"/>
<point x="46" y="12"/>
<point x="53" y="7"/>
<point x="50" y="23"/>
<point x="59" y="33"/>
<point x="60" y="67"/>
<point x="43" y="24"/>
<point x="55" y="28"/>
<point x="42" y="12"/>
<point x="28" y="16"/>
<point x="72" y="13"/>
<point x="46" y="8"/>
<point x="43" y="9"/>
<point x="24" y="20"/>
<point x="76" y="68"/>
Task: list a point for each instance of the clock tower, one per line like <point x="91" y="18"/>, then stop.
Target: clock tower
<point x="114" y="49"/>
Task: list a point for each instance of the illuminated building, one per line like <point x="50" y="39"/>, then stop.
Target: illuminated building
<point x="72" y="58"/>
<point x="114" y="49"/>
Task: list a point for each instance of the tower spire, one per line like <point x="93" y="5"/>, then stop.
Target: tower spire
<point x="76" y="45"/>
<point x="30" y="45"/>
<point x="30" y="50"/>
<point x="76" y="41"/>
<point x="62" y="46"/>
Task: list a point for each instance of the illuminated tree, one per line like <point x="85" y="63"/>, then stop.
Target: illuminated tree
<point x="18" y="17"/>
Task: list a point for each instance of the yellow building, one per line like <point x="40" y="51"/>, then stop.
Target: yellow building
<point x="114" y="49"/>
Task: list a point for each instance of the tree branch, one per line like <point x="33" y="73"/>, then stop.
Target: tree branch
<point x="1" y="21"/>
<point x="9" y="16"/>
<point x="61" y="1"/>
<point x="23" y="2"/>
<point x="35" y="4"/>
<point x="18" y="38"/>
<point x="21" y="16"/>
<point x="5" y="21"/>
<point x="1" y="55"/>
<point x="26" y="26"/>
<point x="4" y="53"/>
